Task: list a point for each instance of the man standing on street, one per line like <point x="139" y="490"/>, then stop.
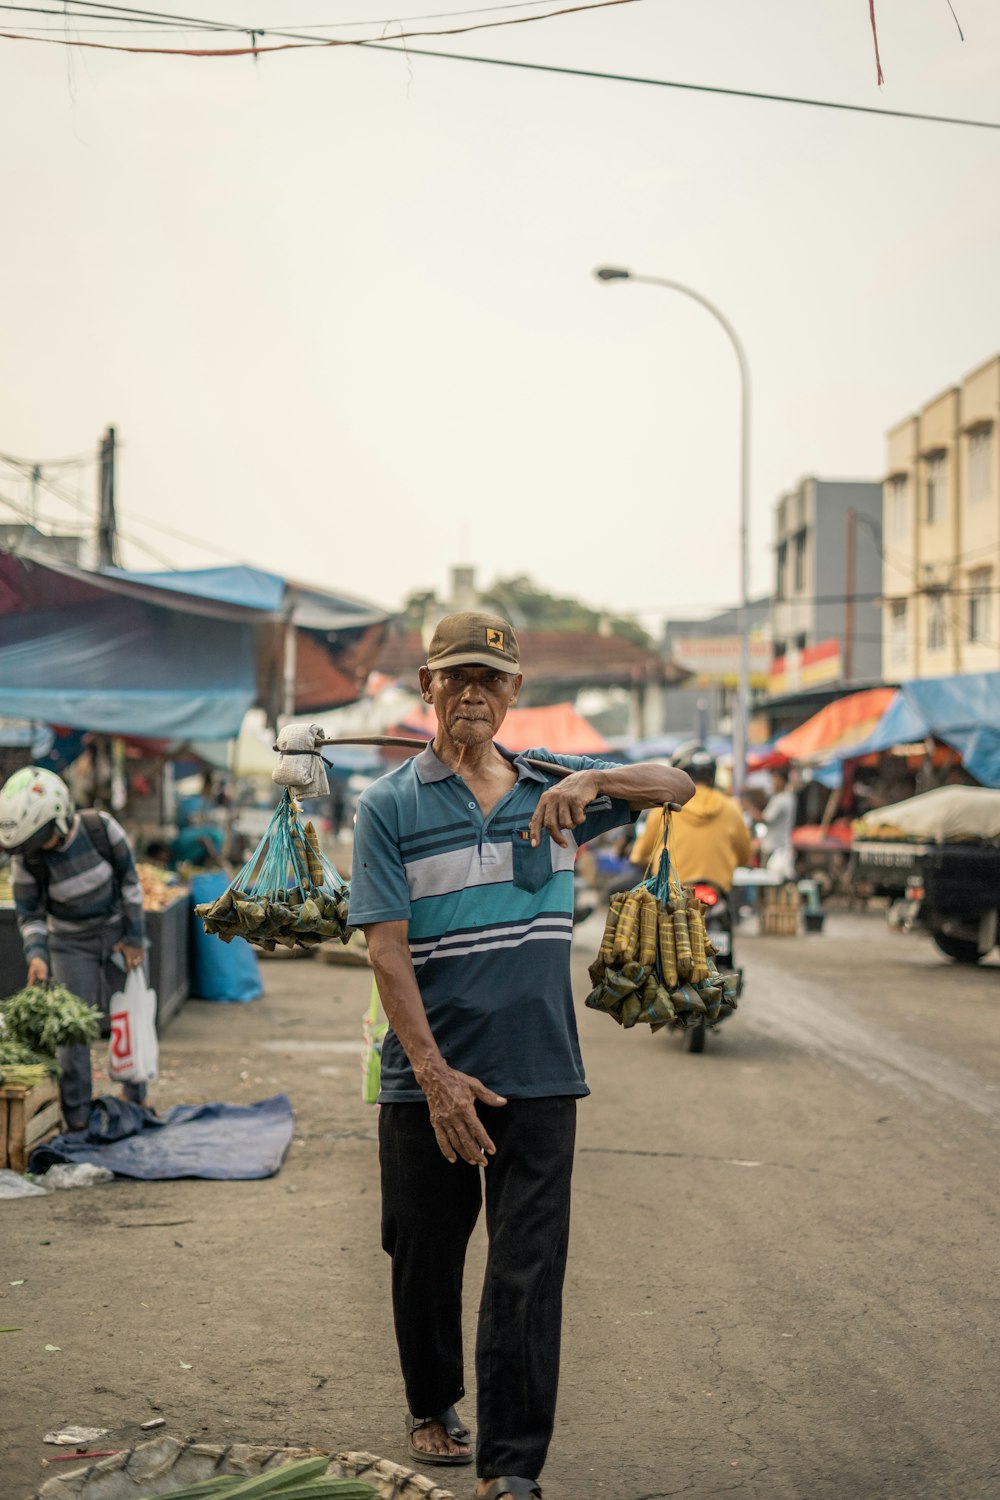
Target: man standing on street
<point x="777" y="849"/>
<point x="462" y="878"/>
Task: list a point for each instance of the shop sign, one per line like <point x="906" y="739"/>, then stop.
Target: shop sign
<point x="716" y="658"/>
<point x="812" y="667"/>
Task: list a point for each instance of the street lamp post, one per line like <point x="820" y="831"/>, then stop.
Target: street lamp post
<point x="741" y="715"/>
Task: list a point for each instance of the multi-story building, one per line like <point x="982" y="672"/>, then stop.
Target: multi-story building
<point x="942" y="533"/>
<point x="825" y="621"/>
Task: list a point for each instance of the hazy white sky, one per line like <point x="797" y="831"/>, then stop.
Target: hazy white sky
<point x="340" y="305"/>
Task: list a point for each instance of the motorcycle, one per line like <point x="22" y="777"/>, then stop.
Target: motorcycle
<point x="719" y="923"/>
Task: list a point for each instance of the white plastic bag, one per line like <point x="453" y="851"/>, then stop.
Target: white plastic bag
<point x="75" y="1174"/>
<point x="13" y="1185"/>
<point x="299" y="765"/>
<point x="134" y="1052"/>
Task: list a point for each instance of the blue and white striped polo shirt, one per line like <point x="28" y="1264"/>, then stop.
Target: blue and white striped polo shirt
<point x="490" y="920"/>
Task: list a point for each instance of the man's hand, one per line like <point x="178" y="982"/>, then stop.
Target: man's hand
<point x="451" y="1097"/>
<point x="38" y="971"/>
<point x="564" y="806"/>
<point x="133" y="956"/>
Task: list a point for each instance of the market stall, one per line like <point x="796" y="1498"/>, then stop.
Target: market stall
<point x="962" y="711"/>
<point x="136" y="668"/>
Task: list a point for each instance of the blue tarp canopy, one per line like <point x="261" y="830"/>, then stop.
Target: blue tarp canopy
<point x="171" y="656"/>
<point x="120" y="667"/>
<point x="962" y="710"/>
<point x="662" y="746"/>
<point x="248" y="589"/>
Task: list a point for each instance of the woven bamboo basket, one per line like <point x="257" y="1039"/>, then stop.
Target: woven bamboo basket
<point x="165" y="1464"/>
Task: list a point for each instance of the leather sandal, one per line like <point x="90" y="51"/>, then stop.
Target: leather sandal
<point x="514" y="1486"/>
<point x="453" y="1426"/>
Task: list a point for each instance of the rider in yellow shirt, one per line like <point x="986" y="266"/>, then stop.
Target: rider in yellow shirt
<point x="708" y="838"/>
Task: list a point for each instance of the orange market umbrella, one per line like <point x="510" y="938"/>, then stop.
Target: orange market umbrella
<point x="558" y="727"/>
<point x="841" y="724"/>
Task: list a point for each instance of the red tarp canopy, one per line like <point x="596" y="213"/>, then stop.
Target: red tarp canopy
<point x="558" y="728"/>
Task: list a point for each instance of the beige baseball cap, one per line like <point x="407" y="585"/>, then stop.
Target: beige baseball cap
<point x="474" y="640"/>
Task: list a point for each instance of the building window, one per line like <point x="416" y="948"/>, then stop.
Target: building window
<point x="799" y="559"/>
<point x="935" y="494"/>
<point x="899" y="508"/>
<point x="979" y="616"/>
<point x="781" y="566"/>
<point x="897" y="631"/>
<point x="801" y="641"/>
<point x="937" y="623"/>
<point x="981" y="463"/>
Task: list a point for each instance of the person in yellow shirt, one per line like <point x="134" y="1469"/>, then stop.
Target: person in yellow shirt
<point x="708" y="838"/>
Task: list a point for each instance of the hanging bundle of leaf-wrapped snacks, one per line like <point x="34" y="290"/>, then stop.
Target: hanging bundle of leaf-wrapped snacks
<point x="656" y="963"/>
<point x="288" y="893"/>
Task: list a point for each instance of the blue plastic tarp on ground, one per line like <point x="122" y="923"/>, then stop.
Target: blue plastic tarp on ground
<point x="224" y="1142"/>
<point x="962" y="710"/>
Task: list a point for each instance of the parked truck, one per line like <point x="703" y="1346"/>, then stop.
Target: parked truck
<point x="936" y="857"/>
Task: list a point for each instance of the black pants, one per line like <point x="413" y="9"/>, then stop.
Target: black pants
<point x="429" y="1209"/>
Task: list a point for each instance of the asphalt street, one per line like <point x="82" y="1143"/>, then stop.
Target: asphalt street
<point x="783" y="1270"/>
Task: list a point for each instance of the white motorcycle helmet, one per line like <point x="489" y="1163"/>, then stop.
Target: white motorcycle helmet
<point x="34" y="805"/>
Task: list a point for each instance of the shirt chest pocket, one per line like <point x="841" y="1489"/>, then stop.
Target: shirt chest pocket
<point x="532" y="867"/>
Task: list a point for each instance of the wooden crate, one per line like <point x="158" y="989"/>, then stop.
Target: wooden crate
<point x="779" y="911"/>
<point x="27" y="1118"/>
<point x="779" y="922"/>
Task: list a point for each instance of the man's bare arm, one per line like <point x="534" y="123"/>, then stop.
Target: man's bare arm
<point x="644" y="785"/>
<point x="451" y="1096"/>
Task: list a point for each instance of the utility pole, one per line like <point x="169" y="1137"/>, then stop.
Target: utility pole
<point x="36" y="479"/>
<point x="848" y="662"/>
<point x="107" y="527"/>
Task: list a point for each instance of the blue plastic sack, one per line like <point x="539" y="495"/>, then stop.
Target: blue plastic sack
<point x="221" y="971"/>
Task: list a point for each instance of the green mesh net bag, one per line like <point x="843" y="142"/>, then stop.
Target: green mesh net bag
<point x="288" y="894"/>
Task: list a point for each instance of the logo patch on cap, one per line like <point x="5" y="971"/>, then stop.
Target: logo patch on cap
<point x="496" y="639"/>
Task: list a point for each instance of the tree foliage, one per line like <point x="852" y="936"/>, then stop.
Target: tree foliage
<point x="529" y="607"/>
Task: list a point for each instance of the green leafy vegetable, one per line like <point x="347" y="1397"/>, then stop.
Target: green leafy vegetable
<point x="17" y="1055"/>
<point x="43" y="1019"/>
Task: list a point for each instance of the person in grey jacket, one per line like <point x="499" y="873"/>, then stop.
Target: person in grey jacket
<point x="79" y="908"/>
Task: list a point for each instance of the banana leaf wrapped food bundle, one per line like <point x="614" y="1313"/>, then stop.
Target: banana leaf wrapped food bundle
<point x="656" y="965"/>
<point x="288" y="894"/>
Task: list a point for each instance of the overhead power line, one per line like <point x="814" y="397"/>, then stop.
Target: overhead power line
<point x="695" y="88"/>
<point x="124" y="13"/>
<point x="640" y="80"/>
<point x="290" y="45"/>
